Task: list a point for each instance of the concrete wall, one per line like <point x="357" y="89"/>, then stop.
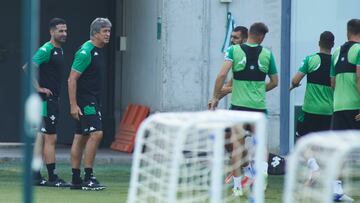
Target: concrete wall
<point x="177" y="72"/>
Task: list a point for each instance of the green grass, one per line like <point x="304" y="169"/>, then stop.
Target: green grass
<point x="116" y="177"/>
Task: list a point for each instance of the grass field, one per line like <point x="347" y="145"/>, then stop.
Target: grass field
<point x="116" y="177"/>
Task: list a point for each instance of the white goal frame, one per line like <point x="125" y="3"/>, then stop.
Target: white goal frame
<point x="339" y="145"/>
<point x="225" y="118"/>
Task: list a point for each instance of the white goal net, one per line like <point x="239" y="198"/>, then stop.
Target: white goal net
<point x="324" y="167"/>
<point x="185" y="157"/>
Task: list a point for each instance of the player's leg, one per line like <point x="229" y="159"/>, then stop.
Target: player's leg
<point x="77" y="149"/>
<point x="49" y="156"/>
<point x="343" y="120"/>
<point x="235" y="144"/>
<point x="50" y="138"/>
<point x="38" y="158"/>
<point x="90" y="152"/>
<point x="93" y="126"/>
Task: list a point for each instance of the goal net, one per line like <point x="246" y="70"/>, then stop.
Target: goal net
<point x="324" y="167"/>
<point x="185" y="157"/>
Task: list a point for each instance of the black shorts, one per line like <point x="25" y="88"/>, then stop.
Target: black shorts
<point x="314" y="123"/>
<point x="241" y="108"/>
<point x="343" y="120"/>
<point x="50" y="112"/>
<point x="90" y="121"/>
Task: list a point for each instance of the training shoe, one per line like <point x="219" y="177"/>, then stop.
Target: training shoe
<point x="92" y="184"/>
<point x="342" y="198"/>
<point x="237" y="192"/>
<point x="40" y="182"/>
<point x="58" y="182"/>
<point x="247" y="182"/>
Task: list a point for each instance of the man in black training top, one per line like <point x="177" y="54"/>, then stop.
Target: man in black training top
<point x="84" y="94"/>
<point x="50" y="62"/>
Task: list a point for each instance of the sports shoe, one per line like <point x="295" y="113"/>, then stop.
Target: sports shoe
<point x="40" y="182"/>
<point x="58" y="182"/>
<point x="247" y="182"/>
<point x="237" y="192"/>
<point x="342" y="198"/>
<point x="92" y="184"/>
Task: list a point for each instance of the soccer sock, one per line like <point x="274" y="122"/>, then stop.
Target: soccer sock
<point x="236" y="181"/>
<point x="88" y="173"/>
<point x="76" y="175"/>
<point x="51" y="169"/>
<point x="37" y="175"/>
<point x="265" y="167"/>
<point x="337" y="187"/>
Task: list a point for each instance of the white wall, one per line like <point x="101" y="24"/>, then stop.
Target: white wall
<point x="177" y="73"/>
<point x="308" y="21"/>
<point x="138" y="68"/>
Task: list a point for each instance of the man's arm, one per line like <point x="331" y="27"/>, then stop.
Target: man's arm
<point x="220" y="78"/>
<point x="35" y="81"/>
<point x="226" y="89"/>
<point x="357" y="117"/>
<point x="72" y="85"/>
<point x="295" y="82"/>
<point x="272" y="83"/>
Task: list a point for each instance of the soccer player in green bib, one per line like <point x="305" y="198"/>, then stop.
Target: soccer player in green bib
<point x="84" y="93"/>
<point x="49" y="59"/>
<point x="250" y="64"/>
<point x="345" y="78"/>
<point x="318" y="100"/>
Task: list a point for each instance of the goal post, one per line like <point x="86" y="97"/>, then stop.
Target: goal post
<point x="180" y="157"/>
<point x="319" y="161"/>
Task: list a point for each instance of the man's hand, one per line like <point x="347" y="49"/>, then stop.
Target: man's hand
<point x="294" y="86"/>
<point x="75" y="111"/>
<point x="45" y="91"/>
<point x="357" y="117"/>
<point x="225" y="90"/>
<point x="212" y="104"/>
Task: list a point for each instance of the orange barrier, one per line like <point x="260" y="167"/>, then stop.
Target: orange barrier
<point x="125" y="136"/>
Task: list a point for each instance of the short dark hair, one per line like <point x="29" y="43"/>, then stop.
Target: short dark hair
<point x="243" y="30"/>
<point x="353" y="26"/>
<point x="327" y="40"/>
<point x="56" y="21"/>
<point x="258" y="29"/>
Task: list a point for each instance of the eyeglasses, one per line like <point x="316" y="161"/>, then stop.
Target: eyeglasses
<point x="235" y="37"/>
